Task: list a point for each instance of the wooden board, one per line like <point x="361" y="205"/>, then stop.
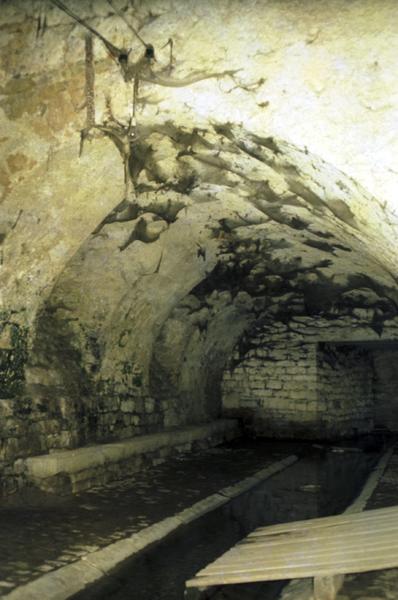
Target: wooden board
<point x="348" y="543"/>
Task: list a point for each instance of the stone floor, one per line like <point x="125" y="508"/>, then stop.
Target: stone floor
<point x="377" y="585"/>
<point x="41" y="532"/>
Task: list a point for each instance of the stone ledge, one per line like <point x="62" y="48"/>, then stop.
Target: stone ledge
<point x="77" y="470"/>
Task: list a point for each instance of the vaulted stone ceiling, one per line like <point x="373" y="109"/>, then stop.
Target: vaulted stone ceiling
<point x="132" y="266"/>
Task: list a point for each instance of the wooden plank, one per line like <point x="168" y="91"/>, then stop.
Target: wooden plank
<point x="325" y="531"/>
<point x="288" y="572"/>
<point x="343" y="517"/>
<point x="321" y="522"/>
<point x="359" y="543"/>
<point x="316" y="553"/>
<point x="332" y="528"/>
<point x="298" y="553"/>
<point x="377" y="521"/>
<point x="312" y="561"/>
<point x="272" y="552"/>
<point x="358" y="535"/>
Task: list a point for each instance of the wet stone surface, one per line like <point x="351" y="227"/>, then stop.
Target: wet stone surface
<point x="324" y="481"/>
<point x="41" y="532"/>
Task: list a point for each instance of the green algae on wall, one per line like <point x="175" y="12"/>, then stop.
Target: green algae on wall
<point x="13" y="356"/>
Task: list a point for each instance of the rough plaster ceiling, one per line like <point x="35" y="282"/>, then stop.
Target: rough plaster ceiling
<point x="223" y="221"/>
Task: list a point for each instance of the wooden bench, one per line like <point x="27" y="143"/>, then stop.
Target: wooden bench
<point x="324" y="548"/>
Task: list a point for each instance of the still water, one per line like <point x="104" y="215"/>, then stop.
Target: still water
<point x="320" y="483"/>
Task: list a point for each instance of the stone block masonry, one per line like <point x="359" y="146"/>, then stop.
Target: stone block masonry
<point x="345" y="392"/>
<point x="275" y="389"/>
<point x="315" y="379"/>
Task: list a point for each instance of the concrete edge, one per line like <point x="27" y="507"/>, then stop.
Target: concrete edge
<point x="302" y="589"/>
<point x="89" y="457"/>
<point x="360" y="501"/>
<point x="73" y="578"/>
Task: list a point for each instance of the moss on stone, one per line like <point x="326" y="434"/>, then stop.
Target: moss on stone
<point x="137" y="379"/>
<point x="13" y="358"/>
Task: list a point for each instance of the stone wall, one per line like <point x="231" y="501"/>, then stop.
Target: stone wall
<point x="386" y="388"/>
<point x="314" y="378"/>
<point x="274" y="388"/>
<point x="345" y="390"/>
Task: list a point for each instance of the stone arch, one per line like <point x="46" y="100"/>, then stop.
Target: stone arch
<point x="251" y="229"/>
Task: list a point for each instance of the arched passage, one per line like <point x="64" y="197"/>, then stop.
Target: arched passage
<point x="263" y="232"/>
<point x="122" y="300"/>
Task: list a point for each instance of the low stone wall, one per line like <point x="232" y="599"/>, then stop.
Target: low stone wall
<point x="72" y="471"/>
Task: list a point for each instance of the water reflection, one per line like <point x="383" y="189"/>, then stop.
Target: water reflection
<point x="321" y="483"/>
